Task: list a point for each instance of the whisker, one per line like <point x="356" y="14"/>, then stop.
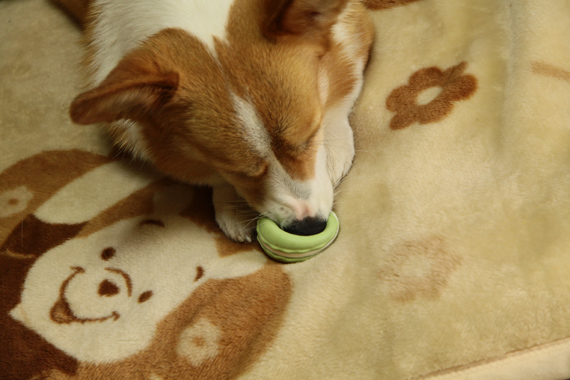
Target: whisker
<point x="252" y="220"/>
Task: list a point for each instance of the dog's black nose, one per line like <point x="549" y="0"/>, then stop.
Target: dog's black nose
<point x="306" y="227"/>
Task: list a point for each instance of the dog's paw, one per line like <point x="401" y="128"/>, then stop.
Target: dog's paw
<point x="234" y="227"/>
<point x="233" y="215"/>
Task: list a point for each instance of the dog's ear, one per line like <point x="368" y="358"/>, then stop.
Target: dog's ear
<point x="311" y="19"/>
<point x="134" y="88"/>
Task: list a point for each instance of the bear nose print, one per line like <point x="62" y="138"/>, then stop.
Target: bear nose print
<point x="108" y="289"/>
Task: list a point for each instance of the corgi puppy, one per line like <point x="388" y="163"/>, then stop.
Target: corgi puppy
<point x="250" y="97"/>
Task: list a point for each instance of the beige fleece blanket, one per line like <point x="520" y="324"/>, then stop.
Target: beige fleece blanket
<point x="453" y="258"/>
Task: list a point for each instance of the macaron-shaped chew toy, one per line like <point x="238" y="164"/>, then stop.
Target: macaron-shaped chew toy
<point x="289" y="248"/>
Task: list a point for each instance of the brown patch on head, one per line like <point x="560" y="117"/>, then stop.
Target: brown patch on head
<point x="285" y="51"/>
<point x="285" y="96"/>
<point x="218" y="332"/>
<point x="455" y="86"/>
<point x="419" y="268"/>
<point x="386" y="4"/>
<point x="174" y="88"/>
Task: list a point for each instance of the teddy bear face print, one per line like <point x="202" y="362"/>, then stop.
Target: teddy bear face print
<point x="105" y="302"/>
<point x="113" y="287"/>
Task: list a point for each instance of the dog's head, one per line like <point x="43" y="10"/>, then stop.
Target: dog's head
<point x="249" y="108"/>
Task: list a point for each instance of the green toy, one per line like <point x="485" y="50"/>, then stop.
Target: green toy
<point x="289" y="248"/>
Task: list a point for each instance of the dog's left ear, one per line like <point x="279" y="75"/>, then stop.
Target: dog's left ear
<point x="309" y="19"/>
<point x="133" y="89"/>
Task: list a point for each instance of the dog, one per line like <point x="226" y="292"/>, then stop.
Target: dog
<point x="250" y="97"/>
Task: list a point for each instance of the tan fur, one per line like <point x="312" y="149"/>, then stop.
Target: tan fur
<point x="180" y="95"/>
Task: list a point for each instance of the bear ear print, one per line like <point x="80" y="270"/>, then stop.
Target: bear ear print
<point x="33" y="237"/>
<point x="28" y="184"/>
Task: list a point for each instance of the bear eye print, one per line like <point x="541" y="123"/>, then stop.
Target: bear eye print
<point x="108" y="253"/>
<point x="199" y="273"/>
<point x="145" y="296"/>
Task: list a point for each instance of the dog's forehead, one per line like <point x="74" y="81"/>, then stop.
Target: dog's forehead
<point x="260" y="97"/>
<point x="274" y="90"/>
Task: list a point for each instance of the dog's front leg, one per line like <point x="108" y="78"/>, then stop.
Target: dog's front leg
<point x="233" y="214"/>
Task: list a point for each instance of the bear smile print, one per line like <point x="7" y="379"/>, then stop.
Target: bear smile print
<point x="108" y="290"/>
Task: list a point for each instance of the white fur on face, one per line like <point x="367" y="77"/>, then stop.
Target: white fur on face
<point x="287" y="199"/>
<point x="253" y="127"/>
<point x="339" y="141"/>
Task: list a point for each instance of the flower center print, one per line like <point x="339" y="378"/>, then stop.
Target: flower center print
<point x="411" y="105"/>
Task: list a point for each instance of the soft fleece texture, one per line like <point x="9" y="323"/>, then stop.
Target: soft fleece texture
<point x="454" y="251"/>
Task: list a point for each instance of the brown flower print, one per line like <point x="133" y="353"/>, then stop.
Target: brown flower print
<point x="419" y="268"/>
<point x="385" y="4"/>
<point x="454" y="86"/>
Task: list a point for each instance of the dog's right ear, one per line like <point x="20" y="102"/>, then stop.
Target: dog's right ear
<point x="309" y="19"/>
<point x="136" y="87"/>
